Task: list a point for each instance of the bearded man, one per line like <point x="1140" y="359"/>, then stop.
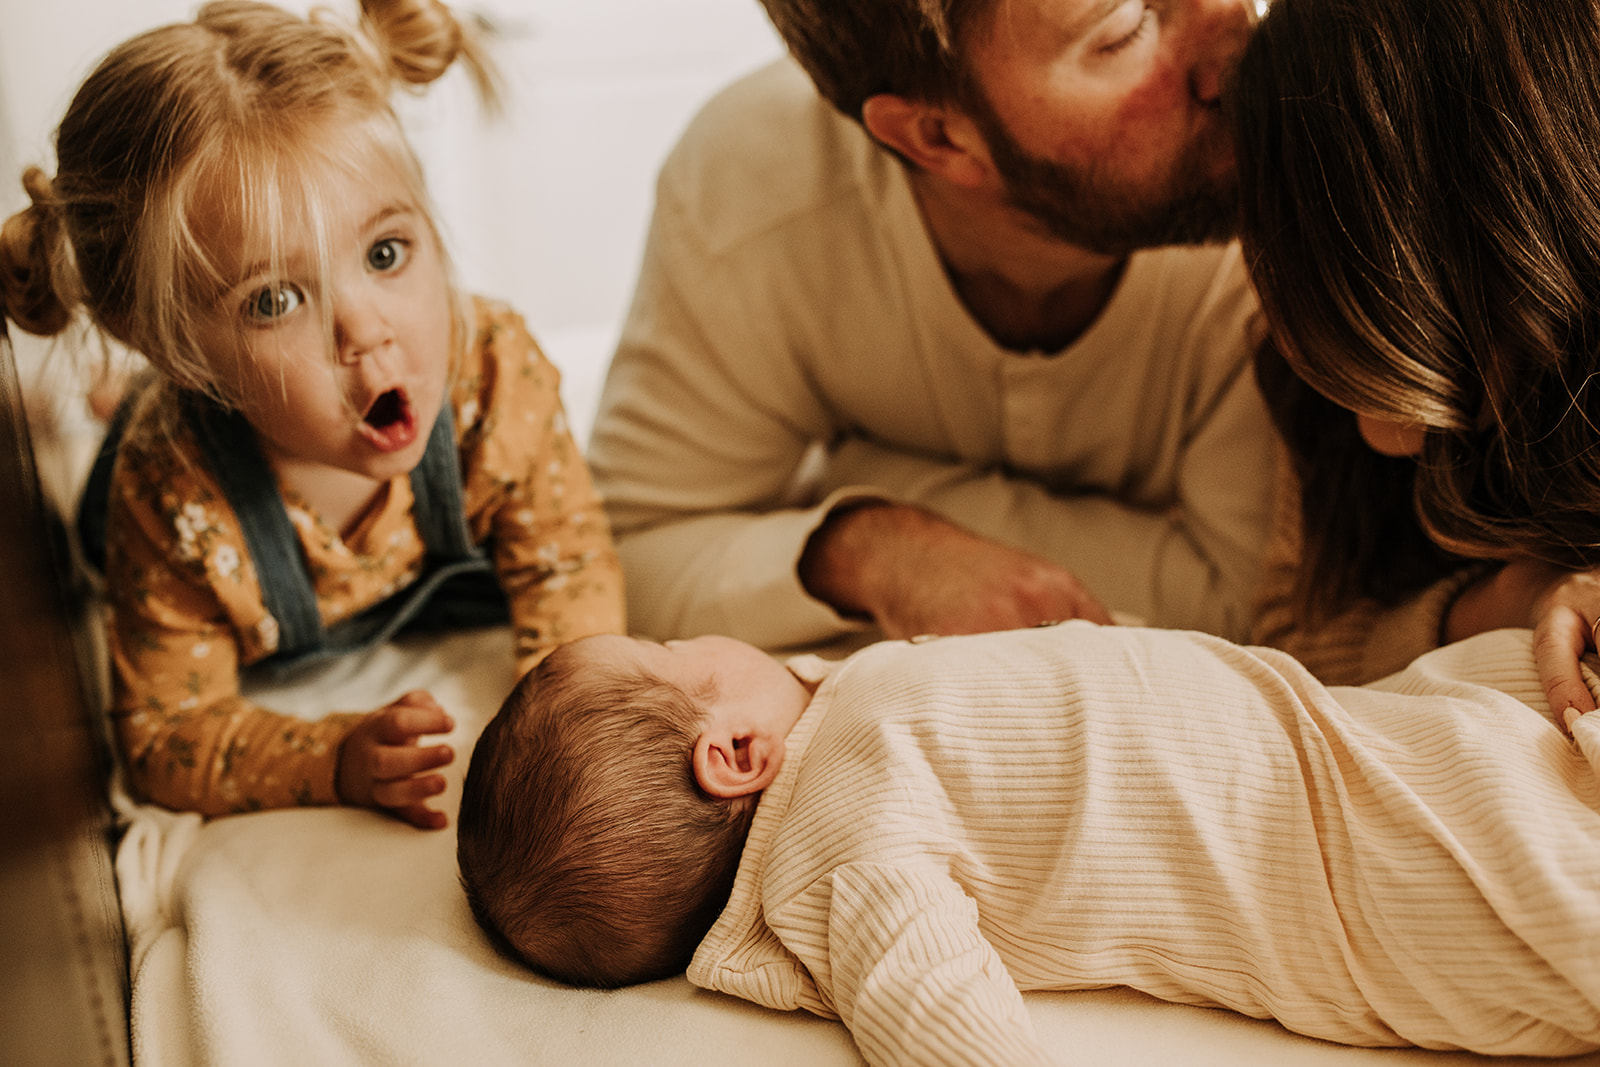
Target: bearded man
<point x="940" y="329"/>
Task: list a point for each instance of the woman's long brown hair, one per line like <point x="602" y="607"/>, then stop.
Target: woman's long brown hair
<point x="1421" y="207"/>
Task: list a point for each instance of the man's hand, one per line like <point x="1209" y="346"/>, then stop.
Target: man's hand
<point x="916" y="573"/>
<point x="382" y="766"/>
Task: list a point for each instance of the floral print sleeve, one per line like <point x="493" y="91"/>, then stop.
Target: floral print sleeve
<point x="185" y="613"/>
<point x="528" y="489"/>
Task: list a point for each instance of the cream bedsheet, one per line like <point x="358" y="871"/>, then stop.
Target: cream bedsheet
<point x="341" y="937"/>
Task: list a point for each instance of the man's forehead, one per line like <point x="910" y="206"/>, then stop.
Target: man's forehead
<point x="1040" y="21"/>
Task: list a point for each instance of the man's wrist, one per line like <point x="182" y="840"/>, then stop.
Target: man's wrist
<point x="831" y="566"/>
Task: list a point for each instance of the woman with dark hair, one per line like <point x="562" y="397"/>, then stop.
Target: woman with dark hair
<point x="1421" y="212"/>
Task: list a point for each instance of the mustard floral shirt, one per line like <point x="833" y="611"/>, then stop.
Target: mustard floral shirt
<point x="186" y="606"/>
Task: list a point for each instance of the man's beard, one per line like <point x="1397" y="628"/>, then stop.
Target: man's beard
<point x="1080" y="207"/>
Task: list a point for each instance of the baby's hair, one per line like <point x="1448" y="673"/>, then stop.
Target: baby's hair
<point x="237" y="103"/>
<point x="587" y="850"/>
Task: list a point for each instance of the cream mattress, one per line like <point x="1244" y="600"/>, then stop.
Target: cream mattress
<point x="337" y="936"/>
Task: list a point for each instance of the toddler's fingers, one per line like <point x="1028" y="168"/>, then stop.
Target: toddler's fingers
<point x="407" y="792"/>
<point x="423" y="817"/>
<point x="402" y="724"/>
<point x="390" y="763"/>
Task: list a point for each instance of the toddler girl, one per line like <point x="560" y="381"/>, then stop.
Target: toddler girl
<point x="336" y="440"/>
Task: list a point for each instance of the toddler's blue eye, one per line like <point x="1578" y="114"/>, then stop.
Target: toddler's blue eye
<point x="387" y="254"/>
<point x="272" y="302"/>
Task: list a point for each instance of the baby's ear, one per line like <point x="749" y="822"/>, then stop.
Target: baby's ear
<point x="729" y="765"/>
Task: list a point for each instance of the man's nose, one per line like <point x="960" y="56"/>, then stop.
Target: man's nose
<point x="1218" y="30"/>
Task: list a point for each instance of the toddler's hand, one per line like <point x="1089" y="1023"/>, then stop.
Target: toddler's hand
<point x="382" y="766"/>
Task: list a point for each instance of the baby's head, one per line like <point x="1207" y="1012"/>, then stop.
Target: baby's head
<point x="192" y="139"/>
<point x="607" y="804"/>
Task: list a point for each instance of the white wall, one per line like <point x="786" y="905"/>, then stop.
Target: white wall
<point x="544" y="206"/>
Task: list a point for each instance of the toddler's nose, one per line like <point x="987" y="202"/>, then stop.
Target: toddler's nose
<point x="359" y="329"/>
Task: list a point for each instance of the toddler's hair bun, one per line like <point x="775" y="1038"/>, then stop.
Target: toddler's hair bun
<point x="30" y="251"/>
<point x="422" y="38"/>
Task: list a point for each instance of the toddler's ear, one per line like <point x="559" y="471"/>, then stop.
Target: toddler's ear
<point x="729" y="765"/>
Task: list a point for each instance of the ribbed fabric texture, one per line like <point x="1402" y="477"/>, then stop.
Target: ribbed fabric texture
<point x="1080" y="806"/>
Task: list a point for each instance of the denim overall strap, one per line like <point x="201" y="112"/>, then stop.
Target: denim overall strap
<point x="229" y="444"/>
<point x="458" y="584"/>
<point x="459" y="587"/>
<point x="439" y="511"/>
<point x="96" y="498"/>
<point x="439" y="507"/>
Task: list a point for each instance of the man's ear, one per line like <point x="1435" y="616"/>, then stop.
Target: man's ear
<point x="936" y="137"/>
<point x="729" y="763"/>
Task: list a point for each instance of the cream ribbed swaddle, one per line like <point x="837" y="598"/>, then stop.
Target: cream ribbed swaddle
<point x="1410" y="862"/>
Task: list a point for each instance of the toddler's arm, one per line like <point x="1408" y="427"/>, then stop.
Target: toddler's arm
<point x="189" y="739"/>
<point x="200" y="746"/>
<point x="559" y="570"/>
<point x="382" y="766"/>
<point x="552" y="543"/>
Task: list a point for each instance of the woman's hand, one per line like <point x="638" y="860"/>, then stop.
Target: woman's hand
<point x="1564" y="622"/>
<point x="1562" y="607"/>
<point x="382" y="766"/>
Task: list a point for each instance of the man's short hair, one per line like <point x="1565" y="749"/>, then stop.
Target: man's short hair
<point x="855" y="49"/>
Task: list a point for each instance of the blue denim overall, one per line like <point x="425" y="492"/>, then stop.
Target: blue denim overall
<point x="458" y="587"/>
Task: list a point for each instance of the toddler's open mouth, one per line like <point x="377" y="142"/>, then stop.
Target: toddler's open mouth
<point x="389" y="423"/>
